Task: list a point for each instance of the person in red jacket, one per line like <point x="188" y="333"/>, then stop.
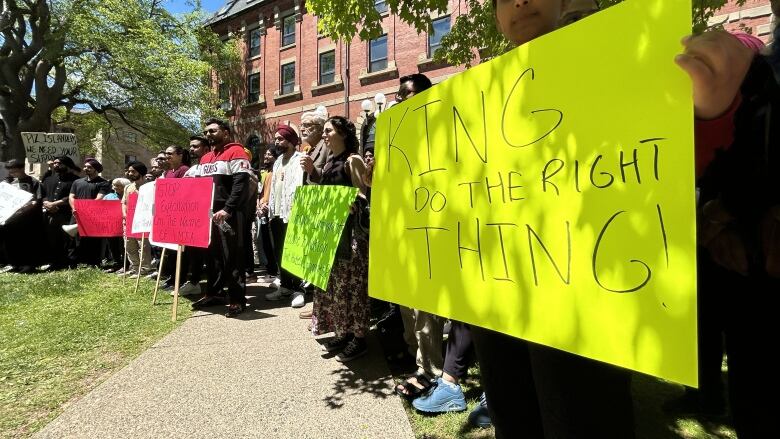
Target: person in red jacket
<point x="228" y="165"/>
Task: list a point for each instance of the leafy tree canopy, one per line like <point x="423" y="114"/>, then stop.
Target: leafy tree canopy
<point x="109" y="56"/>
<point x="472" y="31"/>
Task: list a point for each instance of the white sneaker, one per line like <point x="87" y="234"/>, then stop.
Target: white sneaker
<point x="279" y="294"/>
<point x="277" y="282"/>
<point x="298" y="300"/>
<point x="189" y="289"/>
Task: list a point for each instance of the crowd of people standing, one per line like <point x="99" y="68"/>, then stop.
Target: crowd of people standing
<point x="530" y="390"/>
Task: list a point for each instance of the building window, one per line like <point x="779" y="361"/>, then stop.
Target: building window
<point x="253" y="88"/>
<point x="377" y="54"/>
<point x="254" y="43"/>
<point x="327" y="67"/>
<point x="224" y="96"/>
<point x="288" y="30"/>
<point x="288" y="78"/>
<point x="441" y="27"/>
<point x="380" y="6"/>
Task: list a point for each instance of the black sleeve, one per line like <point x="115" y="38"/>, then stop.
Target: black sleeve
<point x="240" y="185"/>
<point x="104" y="188"/>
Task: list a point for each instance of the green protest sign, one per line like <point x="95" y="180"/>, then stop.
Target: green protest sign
<point x="316" y="222"/>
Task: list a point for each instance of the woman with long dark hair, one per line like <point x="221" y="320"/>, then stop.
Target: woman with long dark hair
<point x="344" y="307"/>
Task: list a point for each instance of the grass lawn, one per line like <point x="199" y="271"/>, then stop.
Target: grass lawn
<point x="62" y="334"/>
<point x="651" y="422"/>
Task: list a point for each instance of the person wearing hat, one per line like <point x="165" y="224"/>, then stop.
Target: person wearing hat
<point x="91" y="187"/>
<point x="287" y="176"/>
<point x="56" y="212"/>
<point x="137" y="254"/>
<point x="18" y="237"/>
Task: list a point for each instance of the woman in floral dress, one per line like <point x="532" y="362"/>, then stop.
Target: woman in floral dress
<point x="344" y="307"/>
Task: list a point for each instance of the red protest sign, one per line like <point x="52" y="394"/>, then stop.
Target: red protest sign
<point x="181" y="211"/>
<point x="132" y="200"/>
<point x="99" y="218"/>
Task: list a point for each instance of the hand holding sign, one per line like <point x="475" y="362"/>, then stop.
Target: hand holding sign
<point x="11" y="200"/>
<point x="551" y="197"/>
<point x="132" y="202"/>
<point x="316" y="223"/>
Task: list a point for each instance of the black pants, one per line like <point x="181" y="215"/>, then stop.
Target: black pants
<point x="116" y="247"/>
<point x="749" y="322"/>
<point x="460" y="350"/>
<point x="534" y="391"/>
<point x="279" y="230"/>
<point x="21" y="238"/>
<point x="249" y="254"/>
<point x="712" y="318"/>
<point x="271" y="266"/>
<point x="226" y="267"/>
<point x="196" y="258"/>
<point x="60" y="245"/>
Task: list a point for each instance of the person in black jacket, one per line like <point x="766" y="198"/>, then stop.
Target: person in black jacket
<point x="57" y="213"/>
<point x="20" y="235"/>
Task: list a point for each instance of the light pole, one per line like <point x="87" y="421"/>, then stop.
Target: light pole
<point x="380" y="101"/>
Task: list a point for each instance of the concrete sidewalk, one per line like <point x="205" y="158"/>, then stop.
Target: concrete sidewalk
<point x="262" y="375"/>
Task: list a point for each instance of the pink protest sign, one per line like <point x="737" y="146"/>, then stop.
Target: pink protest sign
<point x="132" y="201"/>
<point x="181" y="211"/>
<point x="99" y="218"/>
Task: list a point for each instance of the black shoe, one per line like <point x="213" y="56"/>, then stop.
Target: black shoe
<point x="234" y="310"/>
<point x="356" y="348"/>
<point x="208" y="301"/>
<point x="337" y="343"/>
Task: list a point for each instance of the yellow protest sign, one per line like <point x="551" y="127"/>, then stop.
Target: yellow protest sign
<point x="549" y="193"/>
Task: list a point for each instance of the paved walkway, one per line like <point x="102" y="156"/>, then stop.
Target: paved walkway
<point x="262" y="375"/>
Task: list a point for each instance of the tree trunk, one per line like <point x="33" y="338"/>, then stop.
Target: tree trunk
<point x="12" y="146"/>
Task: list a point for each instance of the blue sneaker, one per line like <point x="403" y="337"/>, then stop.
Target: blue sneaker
<point x="479" y="416"/>
<point x="442" y="398"/>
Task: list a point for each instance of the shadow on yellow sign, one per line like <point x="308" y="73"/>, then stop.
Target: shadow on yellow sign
<point x="549" y="194"/>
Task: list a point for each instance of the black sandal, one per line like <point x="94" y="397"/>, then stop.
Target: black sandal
<point x="409" y="391"/>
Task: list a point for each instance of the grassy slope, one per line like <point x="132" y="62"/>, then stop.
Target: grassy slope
<point x="62" y="333"/>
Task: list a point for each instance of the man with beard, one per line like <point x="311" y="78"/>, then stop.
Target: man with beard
<point x="286" y="177"/>
<point x="19" y="236"/>
<point x="312" y="124"/>
<point x="228" y="165"/>
<point x="136" y="252"/>
<point x="56" y="212"/>
<point x="91" y="187"/>
<point x="196" y="256"/>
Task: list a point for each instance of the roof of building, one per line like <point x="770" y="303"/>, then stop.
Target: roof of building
<point x="231" y="8"/>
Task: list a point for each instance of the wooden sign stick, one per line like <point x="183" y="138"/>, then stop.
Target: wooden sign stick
<point x="159" y="273"/>
<point x="176" y="285"/>
<point x="140" y="264"/>
<point x="124" y="262"/>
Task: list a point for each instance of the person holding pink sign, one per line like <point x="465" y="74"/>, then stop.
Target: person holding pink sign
<point x="136" y="253"/>
<point x="91" y="187"/>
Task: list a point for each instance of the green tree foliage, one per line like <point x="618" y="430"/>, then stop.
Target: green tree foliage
<point x="474" y="31"/>
<point x="109" y="56"/>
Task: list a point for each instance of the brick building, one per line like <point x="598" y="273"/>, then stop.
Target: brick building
<point x="289" y="68"/>
<point x="754" y="16"/>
